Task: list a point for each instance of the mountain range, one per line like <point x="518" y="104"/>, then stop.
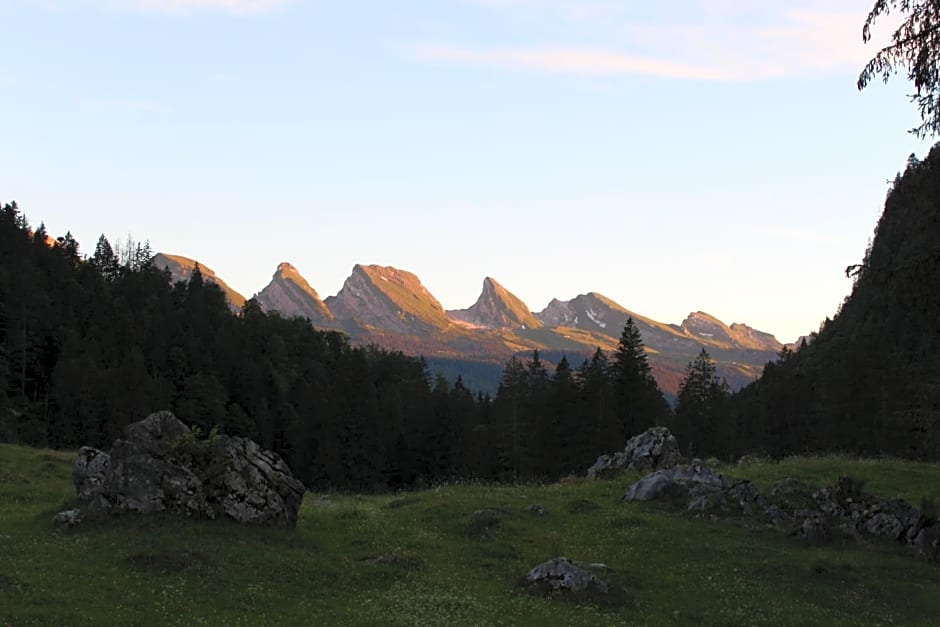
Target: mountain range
<point x="391" y="308"/>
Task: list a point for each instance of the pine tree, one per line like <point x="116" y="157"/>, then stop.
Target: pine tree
<point x="567" y="441"/>
<point x="700" y="403"/>
<point x="598" y="406"/>
<point x="104" y="260"/>
<point x="640" y="402"/>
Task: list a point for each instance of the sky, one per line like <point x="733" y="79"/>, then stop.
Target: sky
<point x="676" y="156"/>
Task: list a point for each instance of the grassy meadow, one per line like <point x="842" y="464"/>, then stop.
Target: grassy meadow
<point x="425" y="558"/>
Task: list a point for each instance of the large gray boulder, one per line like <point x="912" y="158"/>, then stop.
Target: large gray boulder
<point x="159" y="465"/>
<point x="695" y="480"/>
<point x="654" y="449"/>
<point x="89" y="472"/>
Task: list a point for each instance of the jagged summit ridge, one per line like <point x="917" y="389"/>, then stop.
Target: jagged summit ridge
<point x="707" y="328"/>
<point x="390" y="307"/>
<point x="496" y="308"/>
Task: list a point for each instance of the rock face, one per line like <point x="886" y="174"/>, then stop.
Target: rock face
<point x="654" y="449"/>
<point x="160" y="466"/>
<point x="841" y="511"/>
<point x="563" y="575"/>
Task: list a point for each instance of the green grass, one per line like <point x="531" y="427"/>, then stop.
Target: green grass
<point x="427" y="558"/>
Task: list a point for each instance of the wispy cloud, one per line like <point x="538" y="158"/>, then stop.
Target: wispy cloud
<point x="723" y="40"/>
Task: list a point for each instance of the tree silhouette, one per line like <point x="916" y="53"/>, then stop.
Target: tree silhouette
<point x="915" y="47"/>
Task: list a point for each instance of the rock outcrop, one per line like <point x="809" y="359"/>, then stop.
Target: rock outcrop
<point x="654" y="449"/>
<point x="690" y="482"/>
<point x="841" y="511"/>
<point x="159" y="465"/>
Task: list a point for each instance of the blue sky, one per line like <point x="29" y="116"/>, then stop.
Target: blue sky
<point x="706" y="155"/>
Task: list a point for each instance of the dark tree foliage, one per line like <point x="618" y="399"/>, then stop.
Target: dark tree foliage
<point x="869" y="381"/>
<point x="915" y="47"/>
<point x="640" y="402"/>
<point x="700" y="408"/>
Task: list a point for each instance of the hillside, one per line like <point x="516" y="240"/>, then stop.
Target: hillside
<point x="419" y="558"/>
<point x="868" y="381"/>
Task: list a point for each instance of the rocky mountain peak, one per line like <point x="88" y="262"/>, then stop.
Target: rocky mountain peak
<point x="389" y="299"/>
<point x="496" y="308"/>
<point x="286" y="268"/>
<point x="290" y="294"/>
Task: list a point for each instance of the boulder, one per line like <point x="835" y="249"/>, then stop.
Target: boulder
<point x="695" y="480"/>
<point x="251" y="485"/>
<point x="741" y="499"/>
<point x="67" y="518"/>
<point x="159" y="465"/>
<point x="89" y="472"/>
<point x="927" y="543"/>
<point x="894" y="518"/>
<point x="654" y="449"/>
<point x="145" y="480"/>
<point x="560" y="574"/>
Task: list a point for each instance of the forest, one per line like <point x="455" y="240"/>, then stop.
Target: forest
<point x="90" y="343"/>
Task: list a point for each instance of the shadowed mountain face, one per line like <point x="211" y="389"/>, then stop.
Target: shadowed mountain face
<point x="391" y="308"/>
<point x="289" y="294"/>
<point x="181" y="269"/>
<point x="496" y="308"/>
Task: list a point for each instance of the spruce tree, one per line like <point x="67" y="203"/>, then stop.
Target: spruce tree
<point x="700" y="403"/>
<point x="640" y="402"/>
